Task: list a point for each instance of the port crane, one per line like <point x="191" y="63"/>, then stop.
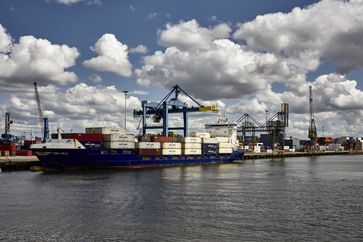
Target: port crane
<point x="170" y="104"/>
<point x="44" y="125"/>
<point x="313" y="136"/>
<point x="275" y="126"/>
<point x="8" y="122"/>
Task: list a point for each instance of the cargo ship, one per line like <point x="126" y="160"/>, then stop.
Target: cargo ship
<point x="110" y="147"/>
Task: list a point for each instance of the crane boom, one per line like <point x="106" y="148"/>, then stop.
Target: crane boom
<point x="40" y="113"/>
<point x="312" y="127"/>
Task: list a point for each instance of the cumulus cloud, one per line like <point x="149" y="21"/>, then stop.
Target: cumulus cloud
<point x="5" y="40"/>
<point x="112" y="56"/>
<point x="82" y="105"/>
<point x="190" y="35"/>
<point x="33" y="59"/>
<point x="95" y="78"/>
<point x="141" y="49"/>
<point x="329" y="29"/>
<point x="225" y="70"/>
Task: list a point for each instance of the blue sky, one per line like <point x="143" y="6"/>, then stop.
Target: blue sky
<point x="159" y="26"/>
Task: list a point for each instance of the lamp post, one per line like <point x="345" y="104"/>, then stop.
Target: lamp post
<point x="125" y="108"/>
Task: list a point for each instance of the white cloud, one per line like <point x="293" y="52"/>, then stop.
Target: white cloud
<point x="82" y="105"/>
<point x="33" y="59"/>
<point x="190" y="35"/>
<point x="5" y="40"/>
<point x="225" y="70"/>
<point x="141" y="49"/>
<point x="112" y="56"/>
<point x="329" y="29"/>
<point x="95" y="78"/>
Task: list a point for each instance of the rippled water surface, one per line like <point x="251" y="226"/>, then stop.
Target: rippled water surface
<point x="310" y="199"/>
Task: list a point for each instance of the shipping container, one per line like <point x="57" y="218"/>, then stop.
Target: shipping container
<point x="171" y="145"/>
<point x="171" y="152"/>
<point x="149" y="152"/>
<point x="210" y="151"/>
<point x="225" y="145"/>
<point x="5" y="153"/>
<point x="222" y="139"/>
<point x="202" y="135"/>
<point x="120" y="145"/>
<point x="257" y="149"/>
<point x="159" y="138"/>
<point x="105" y="130"/>
<point x="210" y="146"/>
<point x="210" y="141"/>
<point x="192" y="140"/>
<point x="23" y="153"/>
<point x="148" y="145"/>
<point x="10" y="147"/>
<point x="119" y="137"/>
<point x="192" y="151"/>
<point x="192" y="145"/>
<point x="225" y="150"/>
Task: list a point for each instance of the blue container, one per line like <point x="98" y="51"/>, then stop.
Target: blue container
<point x="210" y="149"/>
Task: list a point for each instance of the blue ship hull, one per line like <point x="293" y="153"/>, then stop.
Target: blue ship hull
<point x="84" y="158"/>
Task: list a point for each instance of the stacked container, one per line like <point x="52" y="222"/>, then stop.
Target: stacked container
<point x="210" y="146"/>
<point x="224" y="147"/>
<point x="192" y="146"/>
<point x="171" y="148"/>
<point x="119" y="141"/>
<point x="148" y="148"/>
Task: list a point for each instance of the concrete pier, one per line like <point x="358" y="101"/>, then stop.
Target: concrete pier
<point x="16" y="163"/>
<point x="254" y="156"/>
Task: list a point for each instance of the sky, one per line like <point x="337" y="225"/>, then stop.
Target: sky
<point x="243" y="56"/>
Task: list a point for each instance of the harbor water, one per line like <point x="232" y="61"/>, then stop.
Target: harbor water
<point x="292" y="199"/>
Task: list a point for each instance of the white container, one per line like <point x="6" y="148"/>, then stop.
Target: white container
<point x="148" y="145"/>
<point x="171" y="151"/>
<point x="210" y="141"/>
<point x="192" y="145"/>
<point x="225" y="150"/>
<point x="192" y="151"/>
<point x="291" y="150"/>
<point x="192" y="140"/>
<point x="105" y="130"/>
<point x="120" y="145"/>
<point x="119" y="137"/>
<point x="222" y="139"/>
<point x="202" y="135"/>
<point x="269" y="150"/>
<point x="286" y="147"/>
<point x="225" y="145"/>
<point x="257" y="149"/>
<point x="171" y="145"/>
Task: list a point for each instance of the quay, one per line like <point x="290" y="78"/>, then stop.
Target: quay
<point x="17" y="163"/>
<point x="264" y="155"/>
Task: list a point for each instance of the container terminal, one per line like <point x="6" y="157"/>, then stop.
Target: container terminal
<point x="220" y="142"/>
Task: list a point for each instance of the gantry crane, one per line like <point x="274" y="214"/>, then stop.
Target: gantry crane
<point x="313" y="136"/>
<point x="8" y="122"/>
<point x="44" y="126"/>
<point x="275" y="126"/>
<point x="169" y="105"/>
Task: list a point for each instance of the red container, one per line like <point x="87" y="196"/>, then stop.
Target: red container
<point x="159" y="138"/>
<point x="149" y="152"/>
<point x="10" y="147"/>
<point x="5" y="153"/>
<point x="23" y="153"/>
<point x="81" y="137"/>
